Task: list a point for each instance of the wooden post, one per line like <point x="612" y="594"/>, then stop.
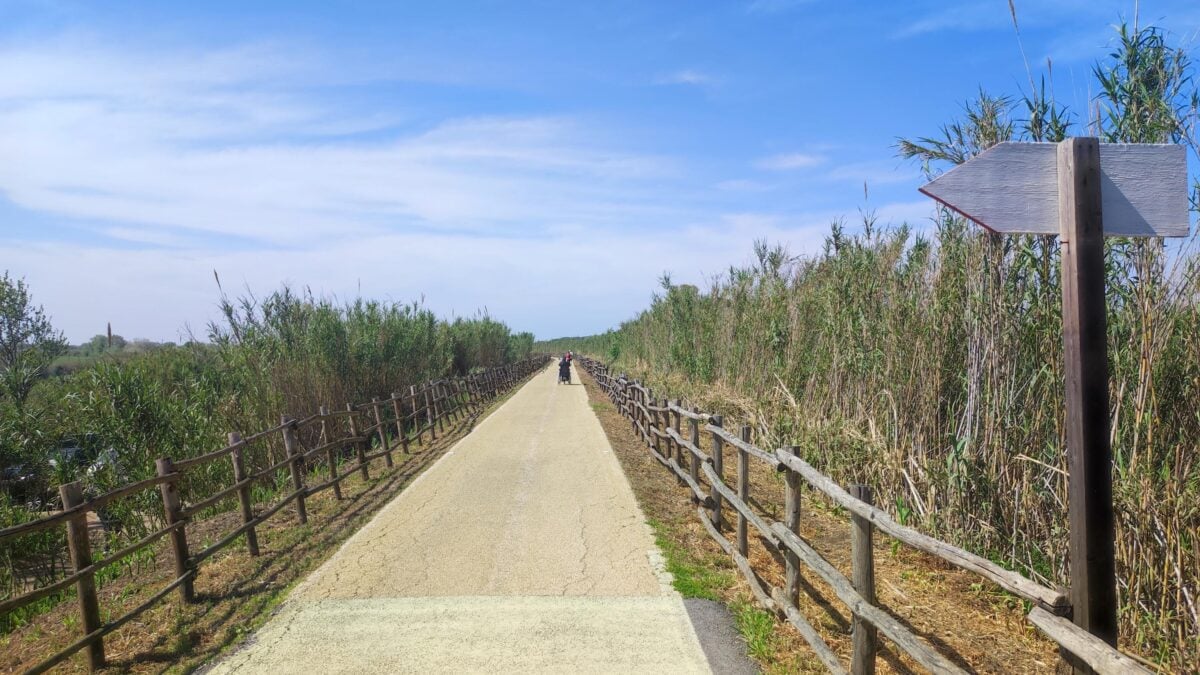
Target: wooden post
<point x="677" y="424"/>
<point x="792" y="514"/>
<point x="718" y="456"/>
<point x="412" y="394"/>
<point x="359" y="450"/>
<point x="744" y="493"/>
<point x="244" y="499"/>
<point x="643" y="418"/>
<point x="331" y="454"/>
<point x="631" y="410"/>
<point x="439" y="406"/>
<point x="381" y="428"/>
<point x="172" y="512"/>
<point x="451" y="401"/>
<point x="656" y="423"/>
<point x="81" y="558"/>
<point x="693" y="461"/>
<point x="292" y="446"/>
<point x="863" y="659"/>
<point x="398" y="412"/>
<point x="652" y="419"/>
<point x="1085" y="341"/>
<point x="430" y="414"/>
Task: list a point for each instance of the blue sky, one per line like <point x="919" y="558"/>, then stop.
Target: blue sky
<point x="547" y="161"/>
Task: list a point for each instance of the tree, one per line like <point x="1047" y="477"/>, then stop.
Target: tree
<point x="28" y="343"/>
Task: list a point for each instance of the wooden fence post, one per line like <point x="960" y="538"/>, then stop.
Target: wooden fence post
<point x="172" y="512"/>
<point x="296" y="466"/>
<point x="656" y="425"/>
<point x="452" y="406"/>
<point x="244" y="500"/>
<point x="676" y="450"/>
<point x="331" y="454"/>
<point x="642" y="417"/>
<point x="430" y="412"/>
<point x="718" y="456"/>
<point x="381" y="428"/>
<point x="81" y="558"/>
<point x="412" y="395"/>
<point x="359" y="450"/>
<point x="792" y="513"/>
<point x="439" y="406"/>
<point x="743" y="541"/>
<point x="863" y="660"/>
<point x="693" y="461"/>
<point x="397" y="410"/>
<point x="631" y="412"/>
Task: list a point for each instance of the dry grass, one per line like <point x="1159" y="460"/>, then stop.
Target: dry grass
<point x="971" y="621"/>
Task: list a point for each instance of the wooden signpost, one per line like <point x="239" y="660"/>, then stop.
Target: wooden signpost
<point x="1082" y="191"/>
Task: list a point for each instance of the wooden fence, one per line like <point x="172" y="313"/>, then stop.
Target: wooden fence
<point x="658" y="421"/>
<point x="387" y="422"/>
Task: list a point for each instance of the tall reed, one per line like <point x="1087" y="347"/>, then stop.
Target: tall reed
<point x="929" y="364"/>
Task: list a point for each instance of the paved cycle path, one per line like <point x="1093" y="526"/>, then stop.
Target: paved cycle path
<point x="521" y="550"/>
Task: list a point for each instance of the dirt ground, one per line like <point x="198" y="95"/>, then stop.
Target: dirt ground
<point x="974" y="623"/>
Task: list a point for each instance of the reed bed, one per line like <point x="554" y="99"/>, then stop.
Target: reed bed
<point x="928" y="362"/>
<point x="286" y="354"/>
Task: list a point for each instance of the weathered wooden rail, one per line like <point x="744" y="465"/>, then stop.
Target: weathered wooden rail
<point x="658" y="422"/>
<point x="374" y="429"/>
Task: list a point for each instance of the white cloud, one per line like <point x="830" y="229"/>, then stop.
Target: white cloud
<point x="179" y="163"/>
<point x="232" y="143"/>
<point x="688" y="76"/>
<point x="611" y="273"/>
<point x="878" y="172"/>
<point x="774" y="6"/>
<point x="917" y="212"/>
<point x="743" y="185"/>
<point x="789" y="161"/>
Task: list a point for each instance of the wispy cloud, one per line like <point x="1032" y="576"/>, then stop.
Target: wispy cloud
<point x="961" y="16"/>
<point x="688" y="76"/>
<point x="743" y="185"/>
<point x="774" y="6"/>
<point x="877" y="172"/>
<point x="993" y="15"/>
<point x="240" y="160"/>
<point x="610" y="274"/>
<point x="790" y="161"/>
<point x="167" y="145"/>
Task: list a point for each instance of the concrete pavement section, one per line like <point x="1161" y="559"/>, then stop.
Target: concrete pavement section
<point x="521" y="550"/>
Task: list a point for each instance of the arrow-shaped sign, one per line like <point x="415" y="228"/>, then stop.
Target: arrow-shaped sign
<point x="1013" y="188"/>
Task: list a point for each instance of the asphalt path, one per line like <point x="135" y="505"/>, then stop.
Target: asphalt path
<point x="522" y="550"/>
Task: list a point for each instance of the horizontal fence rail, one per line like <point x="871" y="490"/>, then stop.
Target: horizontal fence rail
<point x="659" y="423"/>
<point x="389" y="425"/>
